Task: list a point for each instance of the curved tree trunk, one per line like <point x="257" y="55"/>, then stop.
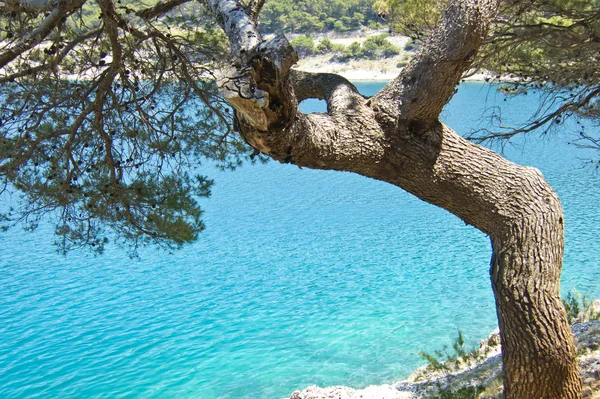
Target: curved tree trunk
<point x="396" y="137"/>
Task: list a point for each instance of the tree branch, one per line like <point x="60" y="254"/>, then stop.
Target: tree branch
<point x="35" y="37"/>
<point x="238" y="26"/>
<point x="448" y="52"/>
<point x="255" y="6"/>
<point x="265" y="93"/>
<point x="54" y="62"/>
<point x="324" y="86"/>
<point x="160" y="9"/>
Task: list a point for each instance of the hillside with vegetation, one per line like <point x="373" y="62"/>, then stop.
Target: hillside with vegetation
<point x="310" y="16"/>
<point x="277" y="16"/>
<point x="345" y="37"/>
<point x="364" y="54"/>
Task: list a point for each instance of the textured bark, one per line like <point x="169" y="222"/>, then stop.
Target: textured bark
<point x="396" y="137"/>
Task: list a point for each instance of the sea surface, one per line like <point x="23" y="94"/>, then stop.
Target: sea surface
<point x="301" y="277"/>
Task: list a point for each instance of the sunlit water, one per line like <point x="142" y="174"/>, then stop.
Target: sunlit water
<point x="302" y="277"/>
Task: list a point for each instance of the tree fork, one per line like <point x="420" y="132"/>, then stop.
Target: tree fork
<point x="396" y="137"/>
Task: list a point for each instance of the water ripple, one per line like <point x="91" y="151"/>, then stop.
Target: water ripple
<point x="302" y="277"/>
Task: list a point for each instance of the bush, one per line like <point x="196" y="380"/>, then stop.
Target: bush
<point x="442" y="360"/>
<point x="329" y="23"/>
<point x="579" y="307"/>
<point x="338" y="47"/>
<point x="304" y="45"/>
<point x="339" y="26"/>
<point x="327" y="46"/>
<point x="354" y="50"/>
<point x="379" y="47"/>
<point x="374" y="47"/>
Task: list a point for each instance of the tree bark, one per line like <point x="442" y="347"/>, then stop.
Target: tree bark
<point x="396" y="137"/>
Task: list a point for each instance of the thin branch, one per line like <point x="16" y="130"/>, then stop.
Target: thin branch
<point x="255" y="7"/>
<point x="35" y="37"/>
<point x="160" y="9"/>
<point x="54" y="62"/>
<point x="539" y="122"/>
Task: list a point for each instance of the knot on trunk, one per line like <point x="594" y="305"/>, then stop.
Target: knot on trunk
<point x="258" y="87"/>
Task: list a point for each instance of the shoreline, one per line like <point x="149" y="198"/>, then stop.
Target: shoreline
<point x="484" y="372"/>
<point x="373" y="71"/>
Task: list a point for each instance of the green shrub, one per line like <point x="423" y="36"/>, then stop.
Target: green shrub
<point x="304" y="45"/>
<point x="441" y="360"/>
<point x="327" y="46"/>
<point x="376" y="25"/>
<point x="324" y="46"/>
<point x="338" y="47"/>
<point x="339" y="26"/>
<point x="330" y="22"/>
<point x="374" y="47"/>
<point x="378" y="46"/>
<point x="435" y="362"/>
<point x="579" y="307"/>
<point x="354" y="50"/>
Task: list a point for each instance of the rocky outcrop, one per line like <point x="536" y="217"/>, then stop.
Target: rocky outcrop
<point x="483" y="378"/>
<point x="588" y="349"/>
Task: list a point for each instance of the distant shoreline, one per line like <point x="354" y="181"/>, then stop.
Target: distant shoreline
<point x="366" y="70"/>
<point x="376" y="74"/>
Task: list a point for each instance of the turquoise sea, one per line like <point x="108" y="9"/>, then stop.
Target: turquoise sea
<point x="302" y="277"/>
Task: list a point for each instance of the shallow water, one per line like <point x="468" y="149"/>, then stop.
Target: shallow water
<point x="302" y="277"/>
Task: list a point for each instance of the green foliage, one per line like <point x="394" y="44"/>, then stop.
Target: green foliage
<point x="326" y="46"/>
<point x="317" y="15"/>
<point x="442" y="360"/>
<point x="459" y="346"/>
<point x="107" y="140"/>
<point x="435" y="362"/>
<point x="354" y="50"/>
<point x="304" y="45"/>
<point x="377" y="46"/>
<point x="573" y="305"/>
<point x="412" y="18"/>
<point x="579" y="307"/>
<point x="339" y="26"/>
<point x="374" y="47"/>
<point x="130" y="175"/>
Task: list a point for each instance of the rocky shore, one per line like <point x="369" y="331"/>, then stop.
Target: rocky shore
<point x="481" y="379"/>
